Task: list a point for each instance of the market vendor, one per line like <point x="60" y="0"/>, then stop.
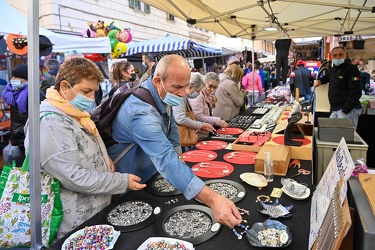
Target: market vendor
<point x="156" y="139"/>
<point x="344" y="87"/>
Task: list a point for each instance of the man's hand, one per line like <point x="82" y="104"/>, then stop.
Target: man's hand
<point x="112" y="166"/>
<point x="317" y="83"/>
<point x="224" y="210"/>
<point x="134" y="183"/>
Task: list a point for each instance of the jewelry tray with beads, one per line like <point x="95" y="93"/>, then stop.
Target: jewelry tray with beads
<point x="158" y="186"/>
<point x="193" y="223"/>
<point x="131" y="214"/>
<point x="163" y="242"/>
<point x="108" y="236"/>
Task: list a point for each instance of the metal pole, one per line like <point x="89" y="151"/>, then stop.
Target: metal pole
<point x="252" y="66"/>
<point x="34" y="129"/>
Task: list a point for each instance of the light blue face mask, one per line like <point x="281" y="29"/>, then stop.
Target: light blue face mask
<point x="17" y="84"/>
<point x="81" y="102"/>
<point x="338" y="62"/>
<point x="171" y="99"/>
<point x="144" y="65"/>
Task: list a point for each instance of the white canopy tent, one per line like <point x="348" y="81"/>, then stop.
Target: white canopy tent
<point x="292" y="18"/>
<point x="14" y="22"/>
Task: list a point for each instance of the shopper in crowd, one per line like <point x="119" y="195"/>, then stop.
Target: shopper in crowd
<point x="267" y="78"/>
<point x="52" y="66"/>
<point x="156" y="138"/>
<point x="254" y="88"/>
<point x="248" y="68"/>
<point x="344" y="88"/>
<point x="71" y="148"/>
<point x="230" y="97"/>
<point x="302" y="79"/>
<point x="204" y="103"/>
<point x="149" y="64"/>
<point x="123" y="74"/>
<point x="179" y="112"/>
<point x="15" y="95"/>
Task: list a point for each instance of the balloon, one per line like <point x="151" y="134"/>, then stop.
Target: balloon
<point x="95" y="57"/>
<point x="125" y="36"/>
<point x="119" y="49"/>
<point x="112" y="38"/>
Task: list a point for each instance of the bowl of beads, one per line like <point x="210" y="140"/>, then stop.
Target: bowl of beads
<point x="93" y="237"/>
<point x="275" y="210"/>
<point x="270" y="233"/>
<point x="165" y="243"/>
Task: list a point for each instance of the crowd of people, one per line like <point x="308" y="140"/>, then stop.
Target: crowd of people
<point x="73" y="151"/>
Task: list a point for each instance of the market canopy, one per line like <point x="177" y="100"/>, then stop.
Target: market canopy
<point x="172" y="44"/>
<point x="13" y="22"/>
<point x="291" y="18"/>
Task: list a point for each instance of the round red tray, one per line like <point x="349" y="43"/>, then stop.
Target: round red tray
<point x="280" y="140"/>
<point x="240" y="157"/>
<point x="211" y="145"/>
<point x="199" y="155"/>
<point x="212" y="169"/>
<point x="230" y="131"/>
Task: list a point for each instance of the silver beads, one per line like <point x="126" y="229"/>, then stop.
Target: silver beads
<point x="129" y="213"/>
<point x="224" y="189"/>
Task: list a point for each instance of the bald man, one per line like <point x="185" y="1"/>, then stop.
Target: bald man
<point x="155" y="135"/>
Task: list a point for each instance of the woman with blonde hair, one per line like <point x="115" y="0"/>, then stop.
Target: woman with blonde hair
<point x="230" y="97"/>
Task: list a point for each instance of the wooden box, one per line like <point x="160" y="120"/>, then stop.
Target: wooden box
<point x="280" y="155"/>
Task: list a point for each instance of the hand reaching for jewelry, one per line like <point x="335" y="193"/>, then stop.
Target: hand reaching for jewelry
<point x="223" y="124"/>
<point x="224" y="210"/>
<point x="207" y="127"/>
<point x="134" y="183"/>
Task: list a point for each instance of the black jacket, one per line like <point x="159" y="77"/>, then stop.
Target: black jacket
<point x="302" y="79"/>
<point x="344" y="88"/>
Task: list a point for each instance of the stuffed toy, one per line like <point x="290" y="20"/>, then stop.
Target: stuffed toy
<point x="99" y="28"/>
<point x="113" y="38"/>
<point x="119" y="49"/>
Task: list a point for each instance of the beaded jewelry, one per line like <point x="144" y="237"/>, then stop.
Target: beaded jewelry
<point x="240" y="234"/>
<point x="243" y="211"/>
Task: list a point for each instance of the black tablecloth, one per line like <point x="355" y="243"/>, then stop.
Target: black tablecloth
<point x="298" y="223"/>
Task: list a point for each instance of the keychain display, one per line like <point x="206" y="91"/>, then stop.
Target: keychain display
<point x="212" y="169"/>
<point x="199" y="155"/>
<point x="240" y="157"/>
<point x="211" y="145"/>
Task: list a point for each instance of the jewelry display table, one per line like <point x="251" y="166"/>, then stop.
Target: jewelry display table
<point x="298" y="223"/>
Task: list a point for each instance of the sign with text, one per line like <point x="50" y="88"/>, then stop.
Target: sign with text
<point x="340" y="166"/>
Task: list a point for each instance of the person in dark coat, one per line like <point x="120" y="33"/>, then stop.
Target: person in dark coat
<point x="302" y="79"/>
<point x="16" y="96"/>
<point x="344" y="87"/>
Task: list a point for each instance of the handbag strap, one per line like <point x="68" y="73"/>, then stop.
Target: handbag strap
<point x="188" y="107"/>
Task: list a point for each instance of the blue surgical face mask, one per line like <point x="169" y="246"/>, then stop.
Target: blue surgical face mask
<point x="338" y="62"/>
<point x="17" y="84"/>
<point x="144" y="65"/>
<point x="171" y="99"/>
<point x="81" y="102"/>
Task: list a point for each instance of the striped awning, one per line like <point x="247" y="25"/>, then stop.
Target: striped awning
<point x="173" y="45"/>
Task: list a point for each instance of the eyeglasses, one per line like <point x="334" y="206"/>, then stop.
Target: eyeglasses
<point x="72" y="52"/>
<point x="211" y="86"/>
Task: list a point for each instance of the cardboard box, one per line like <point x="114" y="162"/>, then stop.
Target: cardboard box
<point x="333" y="129"/>
<point x="324" y="150"/>
<point x="280" y="156"/>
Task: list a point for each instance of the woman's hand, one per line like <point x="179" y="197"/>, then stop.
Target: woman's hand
<point x="134" y="183"/>
<point x="207" y="127"/>
<point x="223" y="124"/>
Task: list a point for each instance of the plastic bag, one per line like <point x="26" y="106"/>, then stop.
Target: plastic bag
<point x="359" y="167"/>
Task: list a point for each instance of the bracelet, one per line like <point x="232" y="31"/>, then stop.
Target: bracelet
<point x="267" y="198"/>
